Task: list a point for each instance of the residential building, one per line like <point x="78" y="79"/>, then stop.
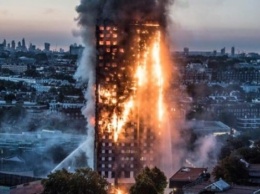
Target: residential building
<point x="76" y="49"/>
<point x="220" y="186"/>
<point x="47" y="47"/>
<point x="122" y="150"/>
<point x="15" y="68"/>
<point x="187" y="176"/>
<point x="233" y="51"/>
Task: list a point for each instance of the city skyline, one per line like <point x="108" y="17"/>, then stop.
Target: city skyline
<point x="200" y="25"/>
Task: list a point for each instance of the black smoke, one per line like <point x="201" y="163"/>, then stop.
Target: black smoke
<point x="123" y="11"/>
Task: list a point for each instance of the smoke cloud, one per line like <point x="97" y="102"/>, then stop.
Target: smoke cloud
<point x="205" y="153"/>
<point x="122" y="11"/>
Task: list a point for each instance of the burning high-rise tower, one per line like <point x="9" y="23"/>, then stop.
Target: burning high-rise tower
<point x="126" y="79"/>
<point x="129" y="98"/>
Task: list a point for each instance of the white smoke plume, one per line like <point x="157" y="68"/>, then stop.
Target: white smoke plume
<point x="205" y="153"/>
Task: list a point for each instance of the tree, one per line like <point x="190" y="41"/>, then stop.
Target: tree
<point x="251" y="155"/>
<point x="9" y="98"/>
<point x="31" y="73"/>
<point x="231" y="169"/>
<point x="152" y="181"/>
<point x="83" y="181"/>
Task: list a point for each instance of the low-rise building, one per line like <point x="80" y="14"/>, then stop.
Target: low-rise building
<point x="220" y="186"/>
<point x="186" y="176"/>
<point x="208" y="127"/>
<point x="15" y="68"/>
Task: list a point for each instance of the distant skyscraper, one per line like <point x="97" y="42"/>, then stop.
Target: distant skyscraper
<point x="233" y="51"/>
<point x="186" y="51"/>
<point x="4" y="43"/>
<point x="19" y="45"/>
<point x="23" y="45"/>
<point x="223" y="51"/>
<point x="47" y="46"/>
<point x="32" y="47"/>
<point x="13" y="44"/>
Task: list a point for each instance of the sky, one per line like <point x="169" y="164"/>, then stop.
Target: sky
<point x="197" y="24"/>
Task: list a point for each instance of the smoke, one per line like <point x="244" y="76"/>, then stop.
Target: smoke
<point x="46" y="147"/>
<point x="122" y="11"/>
<point x="205" y="153"/>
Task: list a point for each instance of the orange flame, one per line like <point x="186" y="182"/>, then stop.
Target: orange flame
<point x="158" y="75"/>
<point x="118" y="123"/>
<point x="148" y="74"/>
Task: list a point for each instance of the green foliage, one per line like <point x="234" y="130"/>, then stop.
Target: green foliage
<point x="251" y="155"/>
<point x="70" y="90"/>
<point x="9" y="98"/>
<point x="5" y="71"/>
<point x="152" y="181"/>
<point x="231" y="170"/>
<point x="83" y="181"/>
<point x="31" y="73"/>
<point x="14" y="86"/>
<point x="232" y="144"/>
<point x="41" y="57"/>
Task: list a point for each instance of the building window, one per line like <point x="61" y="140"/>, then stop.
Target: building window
<point x="127" y="174"/>
<point x="113" y="174"/>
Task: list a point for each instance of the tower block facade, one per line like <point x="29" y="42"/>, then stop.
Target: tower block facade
<point x="128" y="97"/>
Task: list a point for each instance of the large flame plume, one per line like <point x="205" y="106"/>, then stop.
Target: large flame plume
<point x="146" y="103"/>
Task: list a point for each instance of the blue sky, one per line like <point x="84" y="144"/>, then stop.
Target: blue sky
<point x="198" y="24"/>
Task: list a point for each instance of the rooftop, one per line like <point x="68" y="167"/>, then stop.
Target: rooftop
<point x="188" y="174"/>
<point x="234" y="189"/>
